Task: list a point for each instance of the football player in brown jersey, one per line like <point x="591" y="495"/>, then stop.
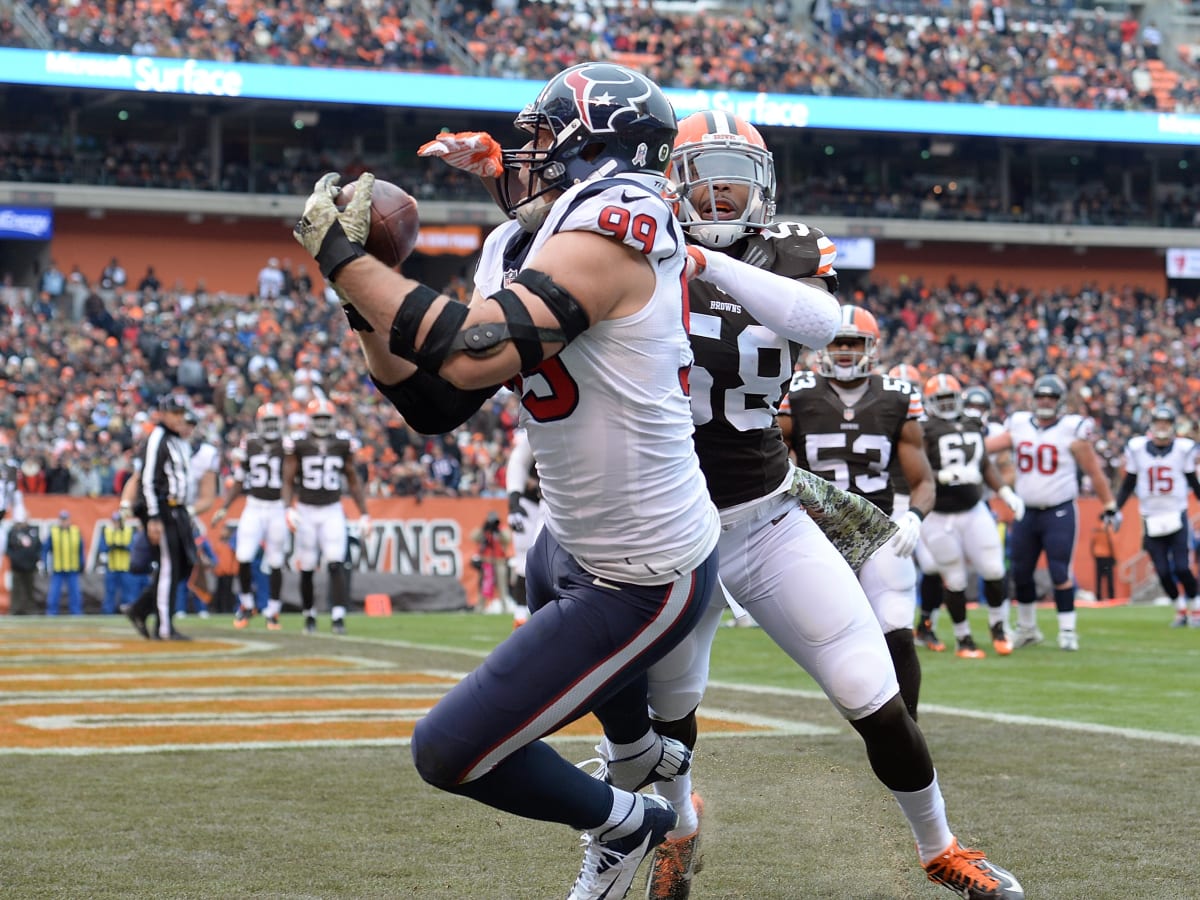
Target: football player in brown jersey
<point x="316" y="464"/>
<point x="760" y="290"/>
<point x="960" y="532"/>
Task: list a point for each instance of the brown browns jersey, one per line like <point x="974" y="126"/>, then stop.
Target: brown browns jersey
<point x="852" y="446"/>
<point x="742" y="369"/>
<point x="955" y="442"/>
<point x="322" y="464"/>
<point x="260" y="467"/>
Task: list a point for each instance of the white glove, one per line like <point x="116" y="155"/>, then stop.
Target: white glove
<point x="517" y="522"/>
<point x="364" y="525"/>
<point x="218" y="516"/>
<point x="476" y="152"/>
<point x="908" y="533"/>
<point x="334" y="237"/>
<point x="959" y="474"/>
<point x="292" y="517"/>
<point x="1012" y="501"/>
<point x="1112" y="518"/>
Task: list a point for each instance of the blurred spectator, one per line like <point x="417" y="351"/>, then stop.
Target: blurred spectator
<point x="24" y="548"/>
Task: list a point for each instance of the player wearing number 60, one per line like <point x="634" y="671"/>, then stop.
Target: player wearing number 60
<point x="1050" y="448"/>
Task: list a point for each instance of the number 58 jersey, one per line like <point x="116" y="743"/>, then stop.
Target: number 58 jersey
<point x="742" y="368"/>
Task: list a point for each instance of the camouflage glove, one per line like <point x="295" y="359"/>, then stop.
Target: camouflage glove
<point x="335" y="237"/>
<point x="854" y="525"/>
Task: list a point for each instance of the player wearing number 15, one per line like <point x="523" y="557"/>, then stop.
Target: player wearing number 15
<point x="847" y="425"/>
<point x="1161" y="467"/>
<point x="1051" y="447"/>
<point x="580" y="301"/>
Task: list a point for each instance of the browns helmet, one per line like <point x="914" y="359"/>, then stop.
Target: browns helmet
<point x="910" y="375"/>
<point x="943" y="396"/>
<point x="269" y="421"/>
<point x="845" y="358"/>
<point x="715" y="153"/>
<point x="320" y="414"/>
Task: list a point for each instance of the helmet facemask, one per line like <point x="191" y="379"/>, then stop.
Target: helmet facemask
<point x="1162" y="427"/>
<point x="945" y="405"/>
<point x="849" y="357"/>
<point x="712" y="176"/>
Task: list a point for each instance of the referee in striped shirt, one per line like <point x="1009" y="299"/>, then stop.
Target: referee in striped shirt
<point x="165" y="479"/>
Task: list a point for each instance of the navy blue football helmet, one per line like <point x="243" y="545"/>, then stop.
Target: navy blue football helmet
<point x="605" y="120"/>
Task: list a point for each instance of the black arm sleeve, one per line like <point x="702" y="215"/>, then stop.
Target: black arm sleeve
<point x="1194" y="484"/>
<point x="430" y="404"/>
<point x="1130" y="483"/>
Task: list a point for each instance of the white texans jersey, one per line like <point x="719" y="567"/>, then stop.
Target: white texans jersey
<point x="205" y="458"/>
<point x="609" y="421"/>
<point x="1047" y="473"/>
<point x="1161" y="472"/>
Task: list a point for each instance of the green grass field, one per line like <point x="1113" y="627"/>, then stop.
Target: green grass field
<point x="1076" y="771"/>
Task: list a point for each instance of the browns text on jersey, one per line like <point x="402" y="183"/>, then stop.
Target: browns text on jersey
<point x="742" y="369"/>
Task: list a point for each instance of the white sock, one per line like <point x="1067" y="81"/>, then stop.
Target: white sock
<point x="628" y="752"/>
<point x="962" y="629"/>
<point x="246" y="600"/>
<point x="926" y="813"/>
<point x="274" y="608"/>
<point x="1181" y="603"/>
<point x="679" y="794"/>
<point x="1066" y="621"/>
<point x="1027" y="615"/>
<point x="624" y="819"/>
<point x="338" y="612"/>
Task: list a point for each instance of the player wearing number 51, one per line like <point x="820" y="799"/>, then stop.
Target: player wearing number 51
<point x="1050" y="448"/>
<point x="579" y="300"/>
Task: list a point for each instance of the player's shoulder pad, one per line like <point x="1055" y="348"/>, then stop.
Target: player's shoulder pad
<point x="620" y="208"/>
<point x="791" y="249"/>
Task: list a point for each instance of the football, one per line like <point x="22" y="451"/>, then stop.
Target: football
<point x="394" y="221"/>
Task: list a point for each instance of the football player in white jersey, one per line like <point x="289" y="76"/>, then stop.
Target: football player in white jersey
<point x="960" y="532"/>
<point x="581" y="295"/>
<point x="1160" y="467"/>
<point x="1050" y="449"/>
<point x="761" y="290"/>
<point x="258" y="474"/>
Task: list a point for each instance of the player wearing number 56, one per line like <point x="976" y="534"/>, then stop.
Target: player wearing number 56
<point x="1051" y="448"/>
<point x="579" y="302"/>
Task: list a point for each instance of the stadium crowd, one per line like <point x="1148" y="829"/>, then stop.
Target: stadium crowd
<point x="85" y="355"/>
<point x="980" y="52"/>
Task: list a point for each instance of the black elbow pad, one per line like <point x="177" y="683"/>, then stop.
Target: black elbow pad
<point x="432" y="405"/>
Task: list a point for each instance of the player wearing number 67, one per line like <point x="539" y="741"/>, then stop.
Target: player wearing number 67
<point x="847" y="424"/>
<point x="1050" y="449"/>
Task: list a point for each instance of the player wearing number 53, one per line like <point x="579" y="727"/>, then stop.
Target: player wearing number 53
<point x="848" y="424"/>
<point x="1050" y="449"/>
<point x="579" y="301"/>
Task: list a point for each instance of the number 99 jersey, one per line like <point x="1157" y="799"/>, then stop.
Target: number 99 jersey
<point x="742" y="368"/>
<point x="852" y="446"/>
